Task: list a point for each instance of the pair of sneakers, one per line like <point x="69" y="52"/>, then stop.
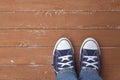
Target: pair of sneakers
<point x="63" y="55"/>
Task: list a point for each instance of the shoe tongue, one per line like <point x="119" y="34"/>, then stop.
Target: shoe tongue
<point x="65" y="52"/>
<point x="89" y="52"/>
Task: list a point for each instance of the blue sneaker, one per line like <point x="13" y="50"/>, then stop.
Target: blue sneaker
<point x="63" y="55"/>
<point x="90" y="55"/>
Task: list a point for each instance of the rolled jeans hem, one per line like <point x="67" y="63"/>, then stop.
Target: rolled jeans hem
<point x="66" y="74"/>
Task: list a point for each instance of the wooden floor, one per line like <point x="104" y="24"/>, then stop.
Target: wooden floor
<point x="29" y="30"/>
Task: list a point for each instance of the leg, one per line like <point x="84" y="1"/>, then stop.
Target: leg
<point x="63" y="60"/>
<point x="89" y="74"/>
<point x="90" y="60"/>
<point x="66" y="74"/>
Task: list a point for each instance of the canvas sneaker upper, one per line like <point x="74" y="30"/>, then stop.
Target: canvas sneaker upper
<point x="63" y="55"/>
<point x="90" y="54"/>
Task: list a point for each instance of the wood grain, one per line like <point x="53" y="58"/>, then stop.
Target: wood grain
<point x="108" y="71"/>
<point x="27" y="72"/>
<point x="26" y="38"/>
<point x="60" y="20"/>
<point x="21" y="5"/>
<point x="29" y="30"/>
<point x="43" y="56"/>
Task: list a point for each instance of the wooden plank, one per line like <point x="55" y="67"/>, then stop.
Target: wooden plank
<point x="60" y="20"/>
<point x="13" y="5"/>
<point x="27" y="72"/>
<point x="34" y="38"/>
<point x="109" y="71"/>
<point x="43" y="56"/>
<point x="16" y="56"/>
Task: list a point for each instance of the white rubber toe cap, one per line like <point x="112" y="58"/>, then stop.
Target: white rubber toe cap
<point x="63" y="44"/>
<point x="90" y="44"/>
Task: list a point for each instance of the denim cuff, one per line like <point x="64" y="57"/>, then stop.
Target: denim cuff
<point x="66" y="74"/>
<point x="67" y="70"/>
<point x="89" y="74"/>
<point x="89" y="70"/>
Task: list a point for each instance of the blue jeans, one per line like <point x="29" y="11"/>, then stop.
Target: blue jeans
<point x="85" y="74"/>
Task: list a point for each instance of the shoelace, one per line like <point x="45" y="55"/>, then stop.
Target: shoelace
<point x="63" y="58"/>
<point x="93" y="64"/>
